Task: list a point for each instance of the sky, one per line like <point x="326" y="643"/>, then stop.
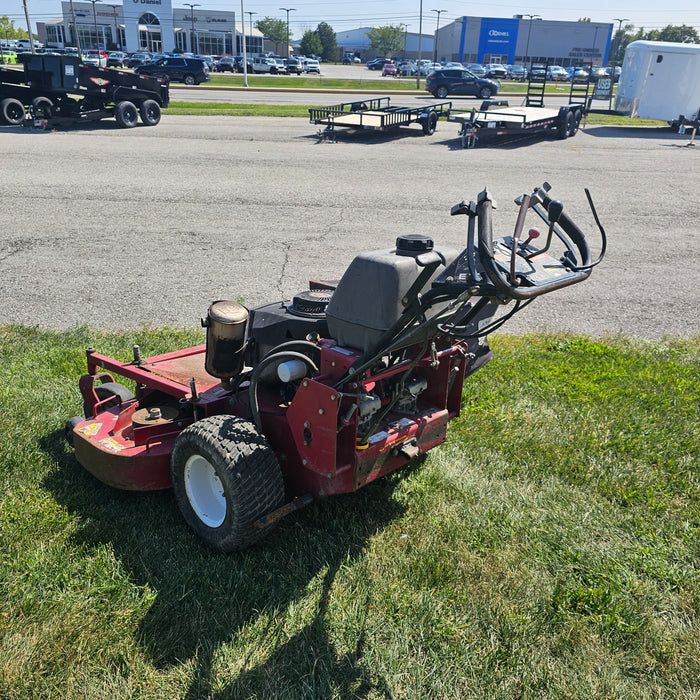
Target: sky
<point x="351" y="14"/>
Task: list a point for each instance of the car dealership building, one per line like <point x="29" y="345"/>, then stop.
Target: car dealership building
<point x="524" y="40"/>
<point x="148" y="25"/>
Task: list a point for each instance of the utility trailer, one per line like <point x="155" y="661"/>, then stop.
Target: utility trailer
<point x="495" y="119"/>
<point x="376" y="114"/>
<point x="61" y="90"/>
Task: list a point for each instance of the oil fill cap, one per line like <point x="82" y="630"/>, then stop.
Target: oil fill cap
<point x="413" y="243"/>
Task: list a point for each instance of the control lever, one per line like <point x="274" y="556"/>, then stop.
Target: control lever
<point x="524" y="206"/>
<point x="470" y="211"/>
<point x="554" y="212"/>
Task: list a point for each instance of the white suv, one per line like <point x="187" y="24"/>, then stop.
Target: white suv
<point x="312" y="66"/>
<point x="93" y="57"/>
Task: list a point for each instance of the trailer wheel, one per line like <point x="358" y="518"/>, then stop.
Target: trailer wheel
<point x="150" y="112"/>
<point x="104" y="391"/>
<point x="577" y="114"/>
<point x="41" y="107"/>
<point x="225" y="476"/>
<point x="430" y="123"/>
<point x="565" y="123"/>
<point x="441" y="92"/>
<point x="11" y="111"/>
<point x="485" y="93"/>
<point x="126" y="114"/>
<point x="189" y="79"/>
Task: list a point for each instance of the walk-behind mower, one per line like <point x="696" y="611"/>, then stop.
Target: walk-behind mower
<point x="289" y="402"/>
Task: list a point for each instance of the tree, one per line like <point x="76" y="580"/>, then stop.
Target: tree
<point x="680" y="34"/>
<point x="326" y="36"/>
<point x="273" y="29"/>
<point x="583" y="19"/>
<point x="387" y="40"/>
<point x="310" y="44"/>
<point x="9" y="31"/>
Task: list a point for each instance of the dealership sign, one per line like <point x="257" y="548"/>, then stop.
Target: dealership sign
<point x="498" y="36"/>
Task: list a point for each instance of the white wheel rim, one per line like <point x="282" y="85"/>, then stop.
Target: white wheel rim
<point x="205" y="491"/>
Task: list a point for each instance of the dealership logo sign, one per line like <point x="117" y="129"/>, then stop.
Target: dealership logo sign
<point x="495" y="32"/>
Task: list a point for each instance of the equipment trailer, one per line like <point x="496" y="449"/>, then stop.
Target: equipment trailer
<point x="377" y="114"/>
<point x="61" y="90"/>
<point x="532" y="118"/>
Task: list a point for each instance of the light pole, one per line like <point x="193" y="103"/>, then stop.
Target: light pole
<point x="116" y="28"/>
<point x="29" y="26"/>
<point x="75" y="29"/>
<point x="420" y="37"/>
<point x="245" y="55"/>
<point x="619" y="35"/>
<point x="288" y="10"/>
<point x="437" y="26"/>
<point x="94" y="21"/>
<point x="191" y="5"/>
<point x="250" y="17"/>
<point x="529" y="29"/>
<point x="405" y="39"/>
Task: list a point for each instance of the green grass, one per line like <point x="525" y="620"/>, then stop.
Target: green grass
<point x="550" y="548"/>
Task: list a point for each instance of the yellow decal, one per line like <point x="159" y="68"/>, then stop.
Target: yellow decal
<point x="91" y="429"/>
<point x="110" y="444"/>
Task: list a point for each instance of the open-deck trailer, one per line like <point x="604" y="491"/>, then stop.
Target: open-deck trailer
<point x="377" y="114"/>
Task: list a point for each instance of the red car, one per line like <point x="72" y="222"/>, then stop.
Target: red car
<point x="390" y="69"/>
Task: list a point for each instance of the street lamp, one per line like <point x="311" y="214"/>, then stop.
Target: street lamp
<point x="94" y="21"/>
<point x="420" y="37"/>
<point x="245" y="55"/>
<point x="191" y="5"/>
<point x="529" y="29"/>
<point x="288" y="10"/>
<point x="250" y="17"/>
<point x="437" y="26"/>
<point x="619" y="35"/>
<point x="116" y="28"/>
<point x="405" y="39"/>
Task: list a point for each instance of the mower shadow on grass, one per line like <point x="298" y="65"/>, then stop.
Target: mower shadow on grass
<point x="204" y="600"/>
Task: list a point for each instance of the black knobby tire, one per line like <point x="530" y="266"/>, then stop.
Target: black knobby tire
<point x="126" y="114"/>
<point x="150" y="112"/>
<point x="189" y="79"/>
<point x="430" y="123"/>
<point x="104" y="391"/>
<point x="225" y="477"/>
<point x="485" y="93"/>
<point x="71" y="423"/>
<point x="565" y="123"/>
<point x="573" y="130"/>
<point x="441" y="92"/>
<point x="11" y="111"/>
<point x="41" y="107"/>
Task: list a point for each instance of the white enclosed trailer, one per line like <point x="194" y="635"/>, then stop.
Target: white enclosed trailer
<point x="660" y="80"/>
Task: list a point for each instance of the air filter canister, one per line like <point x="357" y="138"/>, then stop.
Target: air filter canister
<point x="226" y="324"/>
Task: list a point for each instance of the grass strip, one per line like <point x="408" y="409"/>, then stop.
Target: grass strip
<point x="550" y="548"/>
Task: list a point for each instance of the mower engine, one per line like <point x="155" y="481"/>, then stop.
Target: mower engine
<point x="288" y="402"/>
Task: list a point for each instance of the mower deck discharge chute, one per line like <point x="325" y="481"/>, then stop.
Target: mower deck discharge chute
<point x="288" y="402"/>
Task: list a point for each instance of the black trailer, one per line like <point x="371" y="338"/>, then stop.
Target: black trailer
<point x="496" y="120"/>
<point x="61" y="90"/>
<point x="376" y="114"/>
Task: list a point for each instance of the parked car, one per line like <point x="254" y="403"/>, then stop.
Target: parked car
<point x="226" y="63"/>
<point x="556" y="73"/>
<point x="476" y="68"/>
<point x="116" y="59"/>
<point x="139" y="58"/>
<point x="495" y="71"/>
<point x="377" y="63"/>
<point x="390" y="69"/>
<point x="209" y="60"/>
<point x="577" y="74"/>
<point x="311" y="66"/>
<point x="191" y="71"/>
<point x="293" y="65"/>
<point x="452" y="81"/>
<point x="518" y="73"/>
<point x="9" y="56"/>
<point x="94" y="57"/>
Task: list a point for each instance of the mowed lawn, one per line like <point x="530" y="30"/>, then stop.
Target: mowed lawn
<point x="551" y="548"/>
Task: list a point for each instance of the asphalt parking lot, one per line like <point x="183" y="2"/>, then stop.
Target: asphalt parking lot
<point x="119" y="228"/>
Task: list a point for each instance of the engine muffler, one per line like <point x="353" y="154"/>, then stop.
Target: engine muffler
<point x="226" y="324"/>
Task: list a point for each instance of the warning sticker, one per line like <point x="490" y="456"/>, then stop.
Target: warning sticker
<point x="90" y="429"/>
<point x="110" y="444"/>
